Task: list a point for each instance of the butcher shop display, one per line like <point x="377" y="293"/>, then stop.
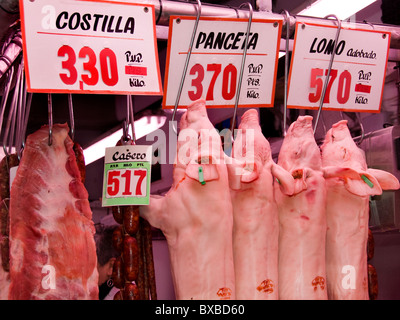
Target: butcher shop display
<point x="350" y="183"/>
<point x="196" y="213"/>
<point x="52" y="249"/>
<point x="255" y="213"/>
<point x="302" y="220"/>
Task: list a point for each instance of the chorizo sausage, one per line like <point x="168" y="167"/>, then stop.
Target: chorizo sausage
<point x="5" y="254"/>
<point x="119" y="296"/>
<point x="148" y="253"/>
<point x="131" y="219"/>
<point x="118" y="239"/>
<point x="118" y="214"/>
<point x="372" y="282"/>
<point x="370" y="245"/>
<point x="118" y="273"/>
<point x="130" y="256"/>
<point x="6" y="163"/>
<point x="131" y="292"/>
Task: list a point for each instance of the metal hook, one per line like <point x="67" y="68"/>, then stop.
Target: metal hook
<point x="242" y="65"/>
<point x="131" y="119"/>
<point x="321" y="102"/>
<point x="362" y="129"/>
<point x="4" y="102"/>
<point x="186" y="64"/>
<point x="50" y="116"/>
<point x="10" y="126"/>
<point x="287" y="19"/>
<point x="71" y="116"/>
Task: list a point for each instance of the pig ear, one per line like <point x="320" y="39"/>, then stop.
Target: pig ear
<point x="202" y="172"/>
<point x="386" y="180"/>
<point x="284" y="178"/>
<point x="250" y="172"/>
<point x="360" y="183"/>
<point x="300" y="177"/>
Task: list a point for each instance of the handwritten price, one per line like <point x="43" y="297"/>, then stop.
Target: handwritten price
<point x="317" y="83"/>
<point x="108" y="66"/>
<point x="126" y="182"/>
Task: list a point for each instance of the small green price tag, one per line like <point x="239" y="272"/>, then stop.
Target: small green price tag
<point x="127" y="175"/>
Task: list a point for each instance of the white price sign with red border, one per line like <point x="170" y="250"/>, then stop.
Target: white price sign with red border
<point x="90" y="46"/>
<point x="358" y="72"/>
<point x="215" y="62"/>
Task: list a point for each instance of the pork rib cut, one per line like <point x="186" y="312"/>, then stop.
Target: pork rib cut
<point x="349" y="185"/>
<point x="302" y="220"/>
<point x="52" y="252"/>
<point x="255" y="213"/>
<point x="196" y="218"/>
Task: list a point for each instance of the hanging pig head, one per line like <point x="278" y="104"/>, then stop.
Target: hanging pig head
<point x="299" y="153"/>
<point x="342" y="159"/>
<point x="252" y="157"/>
<point x="196" y="213"/>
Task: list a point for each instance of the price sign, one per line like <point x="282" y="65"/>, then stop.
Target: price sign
<point x="214" y="66"/>
<point x="358" y="72"/>
<point x="127" y="173"/>
<point x="90" y="47"/>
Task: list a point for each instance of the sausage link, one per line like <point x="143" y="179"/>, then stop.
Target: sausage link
<point x="118" y="295"/>
<point x="148" y="252"/>
<point x="118" y="214"/>
<point x="6" y="163"/>
<point x="118" y="273"/>
<point x="372" y="282"/>
<point x="130" y="256"/>
<point x="118" y="239"/>
<point x="5" y="254"/>
<point x="131" y="219"/>
<point x="131" y="292"/>
<point x="370" y="245"/>
<point x="4" y="219"/>
<point x="140" y="282"/>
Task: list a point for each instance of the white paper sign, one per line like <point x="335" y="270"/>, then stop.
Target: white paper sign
<point x="214" y="68"/>
<point x="358" y="72"/>
<point x="75" y="46"/>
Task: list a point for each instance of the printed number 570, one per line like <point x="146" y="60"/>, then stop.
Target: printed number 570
<point x="317" y="83"/>
<point x="129" y="182"/>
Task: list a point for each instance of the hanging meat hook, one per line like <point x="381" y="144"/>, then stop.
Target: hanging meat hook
<point x="186" y="65"/>
<point x="71" y="116"/>
<point x="10" y="125"/>
<point x="50" y="116"/>
<point x="4" y="99"/>
<point x="287" y="20"/>
<point x="242" y="64"/>
<point x="321" y="102"/>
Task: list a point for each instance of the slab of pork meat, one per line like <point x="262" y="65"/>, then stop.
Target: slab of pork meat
<point x="196" y="213"/>
<point x="52" y="252"/>
<point x="302" y="219"/>
<point x="255" y="213"/>
<point x="349" y="185"/>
